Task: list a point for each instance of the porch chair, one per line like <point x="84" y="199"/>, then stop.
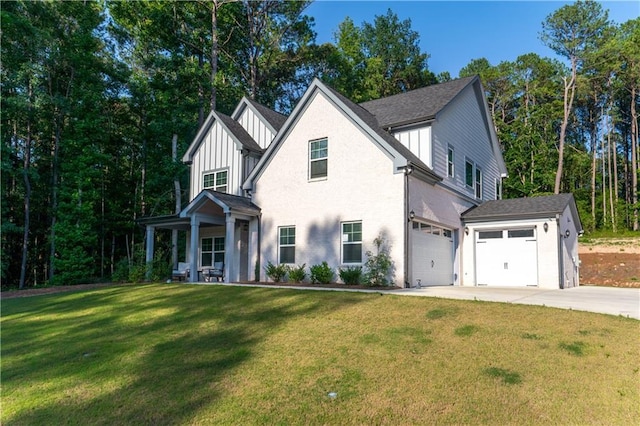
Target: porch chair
<point x="181" y="273"/>
<point x="216" y="272"/>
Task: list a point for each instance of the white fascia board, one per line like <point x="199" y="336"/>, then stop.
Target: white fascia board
<point x="204" y="130"/>
<point x="314" y="89"/>
<point x="273" y="147"/>
<point x="199" y="201"/>
<point x="197" y="140"/>
<point x="491" y="129"/>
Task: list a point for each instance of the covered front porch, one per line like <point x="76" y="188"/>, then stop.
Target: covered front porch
<point x="220" y="228"/>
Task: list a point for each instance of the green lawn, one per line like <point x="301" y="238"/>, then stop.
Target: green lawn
<point x="187" y="354"/>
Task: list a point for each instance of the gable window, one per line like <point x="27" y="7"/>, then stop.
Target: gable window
<point x="478" y="183"/>
<point x="287" y="244"/>
<point x="468" y="173"/>
<point x="211" y="251"/>
<point x="318" y="155"/>
<point x="498" y="189"/>
<point x="450" y="162"/>
<point x="351" y="242"/>
<point x="215" y="180"/>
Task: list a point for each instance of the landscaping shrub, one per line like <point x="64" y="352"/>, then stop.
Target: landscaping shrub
<point x="297" y="274"/>
<point x="378" y="265"/>
<point x="276" y="272"/>
<point x="321" y="273"/>
<point x="351" y="275"/>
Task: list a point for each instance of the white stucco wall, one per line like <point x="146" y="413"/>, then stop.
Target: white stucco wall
<point x="361" y="186"/>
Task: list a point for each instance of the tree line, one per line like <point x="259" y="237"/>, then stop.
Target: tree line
<point x="100" y="99"/>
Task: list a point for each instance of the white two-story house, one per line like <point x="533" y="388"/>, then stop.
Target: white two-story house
<point x="324" y="182"/>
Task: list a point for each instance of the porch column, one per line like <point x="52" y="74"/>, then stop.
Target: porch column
<point x="149" y="254"/>
<point x="254" y="246"/>
<point x="193" y="250"/>
<point x="229" y="250"/>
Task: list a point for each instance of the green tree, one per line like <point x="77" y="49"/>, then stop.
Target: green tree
<point x="572" y="32"/>
<point x="379" y="59"/>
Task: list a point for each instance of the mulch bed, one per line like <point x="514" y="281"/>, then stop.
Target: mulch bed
<point x="331" y="285"/>
<point x="602" y="269"/>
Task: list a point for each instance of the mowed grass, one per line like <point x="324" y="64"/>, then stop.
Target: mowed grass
<point x="187" y="354"/>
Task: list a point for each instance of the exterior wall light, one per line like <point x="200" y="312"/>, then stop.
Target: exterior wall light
<point x="567" y="233"/>
<point x="466" y="230"/>
<point x="412" y="215"/>
<point x="545" y="226"/>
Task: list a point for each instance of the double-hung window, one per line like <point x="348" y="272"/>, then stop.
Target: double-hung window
<point x="450" y="162"/>
<point x="211" y="251"/>
<point x="287" y="244"/>
<point x="215" y="180"/>
<point x="318" y="158"/>
<point x="478" y="183"/>
<point x="351" y="242"/>
<point x="468" y="173"/>
<point x="473" y="178"/>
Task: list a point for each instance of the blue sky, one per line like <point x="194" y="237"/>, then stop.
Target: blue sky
<point x="455" y="32"/>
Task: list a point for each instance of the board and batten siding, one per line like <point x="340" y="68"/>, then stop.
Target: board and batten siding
<point x="218" y="151"/>
<point x="418" y="141"/>
<point x="360" y="186"/>
<point x="461" y="126"/>
<point x="256" y="128"/>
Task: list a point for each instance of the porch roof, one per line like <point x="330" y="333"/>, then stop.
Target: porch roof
<point x="227" y="202"/>
<point x="170" y="221"/>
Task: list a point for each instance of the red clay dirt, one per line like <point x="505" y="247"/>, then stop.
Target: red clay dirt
<point x="612" y="263"/>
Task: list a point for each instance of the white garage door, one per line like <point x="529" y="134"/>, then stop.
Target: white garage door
<point x="506" y="257"/>
<point x="432" y="255"/>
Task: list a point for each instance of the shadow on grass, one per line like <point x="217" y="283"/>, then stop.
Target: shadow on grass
<point x="137" y="355"/>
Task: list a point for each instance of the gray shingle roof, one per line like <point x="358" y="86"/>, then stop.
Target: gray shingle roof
<point x="417" y="105"/>
<point x="274" y="118"/>
<point x="520" y="207"/>
<point x="239" y="132"/>
<point x="235" y="202"/>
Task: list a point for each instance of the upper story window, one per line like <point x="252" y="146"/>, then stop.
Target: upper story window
<point x="468" y="173"/>
<point x="473" y="178"/>
<point x="215" y="180"/>
<point x="318" y="158"/>
<point x="351" y="242"/>
<point x="287" y="244"/>
<point x="450" y="162"/>
<point x="478" y="183"/>
<point x="498" y="189"/>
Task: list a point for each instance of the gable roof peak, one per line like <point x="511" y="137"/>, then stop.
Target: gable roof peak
<point x="232" y="127"/>
<point x="272" y="118"/>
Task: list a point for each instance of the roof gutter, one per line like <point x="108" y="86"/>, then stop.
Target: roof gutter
<point x="422" y="173"/>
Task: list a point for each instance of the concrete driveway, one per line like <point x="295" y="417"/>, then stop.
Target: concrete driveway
<point x="605" y="300"/>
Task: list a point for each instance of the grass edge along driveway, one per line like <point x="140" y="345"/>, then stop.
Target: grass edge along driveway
<point x="186" y="354"/>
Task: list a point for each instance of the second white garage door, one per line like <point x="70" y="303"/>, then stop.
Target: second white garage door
<point x="432" y="255"/>
<point x="506" y="257"/>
